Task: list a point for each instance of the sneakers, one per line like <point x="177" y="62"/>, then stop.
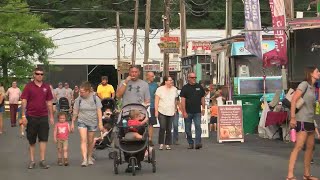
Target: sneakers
<point x="43" y="165"/>
<point x="312" y="161"/>
<point x="198" y="146"/>
<point x="190" y="146"/>
<point x="84" y="163"/>
<point x="66" y="162"/>
<point x="90" y="161"/>
<point x="32" y="165"/>
<point x="60" y="162"/>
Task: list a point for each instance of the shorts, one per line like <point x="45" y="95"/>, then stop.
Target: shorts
<point x="37" y="127"/>
<point x="62" y="144"/>
<point x="2" y="109"/>
<point x="89" y="128"/>
<point x="152" y="119"/>
<point x="305" y="126"/>
<point x="213" y="120"/>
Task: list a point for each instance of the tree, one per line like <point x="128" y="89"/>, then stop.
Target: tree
<point x="21" y="41"/>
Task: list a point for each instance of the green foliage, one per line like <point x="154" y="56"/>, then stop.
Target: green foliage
<point x="21" y="43"/>
<point x="210" y="15"/>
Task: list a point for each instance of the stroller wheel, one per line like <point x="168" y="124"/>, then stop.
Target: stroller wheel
<point x="153" y="161"/>
<point x="133" y="165"/>
<point x="115" y="162"/>
<point x="111" y="155"/>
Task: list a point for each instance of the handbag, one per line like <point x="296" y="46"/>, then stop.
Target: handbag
<point x="287" y="100"/>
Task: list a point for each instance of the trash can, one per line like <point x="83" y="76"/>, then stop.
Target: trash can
<point x="251" y="106"/>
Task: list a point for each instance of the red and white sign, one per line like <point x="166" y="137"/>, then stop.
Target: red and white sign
<point x="201" y="45"/>
<point x="277" y="56"/>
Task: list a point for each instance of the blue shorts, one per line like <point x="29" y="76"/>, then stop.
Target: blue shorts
<point x="2" y="109"/>
<point x="89" y="128"/>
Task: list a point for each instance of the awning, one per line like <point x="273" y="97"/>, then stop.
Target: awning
<point x="304" y="23"/>
<point x="238" y="49"/>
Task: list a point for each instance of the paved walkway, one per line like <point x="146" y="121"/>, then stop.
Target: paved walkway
<point x="256" y="159"/>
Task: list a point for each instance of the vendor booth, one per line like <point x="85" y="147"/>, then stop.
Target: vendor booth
<point x="199" y="64"/>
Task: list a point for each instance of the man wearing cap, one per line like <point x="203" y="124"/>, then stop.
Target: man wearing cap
<point x="105" y="90"/>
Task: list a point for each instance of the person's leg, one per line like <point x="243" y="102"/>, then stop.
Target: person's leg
<point x="152" y="121"/>
<point x="162" y="122"/>
<point x="308" y="153"/>
<point x="65" y="152"/>
<point x="197" y="125"/>
<point x="1" y="122"/>
<point x="90" y="144"/>
<point x="12" y="114"/>
<point x="301" y="139"/>
<point x="15" y="110"/>
<point x="59" y="148"/>
<point x="169" y="120"/>
<point x="187" y="123"/>
<point x="83" y="143"/>
<point x="175" y="124"/>
<point x="43" y="135"/>
<point x="215" y="126"/>
<point x="32" y="134"/>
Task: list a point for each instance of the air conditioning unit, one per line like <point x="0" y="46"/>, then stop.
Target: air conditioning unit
<point x="243" y="71"/>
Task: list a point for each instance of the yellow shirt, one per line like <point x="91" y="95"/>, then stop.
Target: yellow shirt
<point x="105" y="91"/>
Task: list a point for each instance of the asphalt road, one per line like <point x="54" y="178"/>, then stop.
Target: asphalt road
<point x="256" y="159"/>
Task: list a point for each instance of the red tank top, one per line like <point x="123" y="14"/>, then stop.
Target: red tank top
<point x="62" y="131"/>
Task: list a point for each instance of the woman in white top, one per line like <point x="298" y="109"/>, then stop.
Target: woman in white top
<point x="165" y="106"/>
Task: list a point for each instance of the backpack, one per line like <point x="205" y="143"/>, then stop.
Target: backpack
<point x="94" y="99"/>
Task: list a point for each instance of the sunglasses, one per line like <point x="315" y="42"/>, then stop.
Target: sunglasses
<point x="39" y="74"/>
<point x="108" y="114"/>
<point x="192" y="77"/>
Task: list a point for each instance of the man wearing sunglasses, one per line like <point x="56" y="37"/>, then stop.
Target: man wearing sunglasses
<point x="36" y="105"/>
<point x="192" y="98"/>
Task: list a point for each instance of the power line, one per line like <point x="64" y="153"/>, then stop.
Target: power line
<point x="92" y="32"/>
<point x="70" y="52"/>
<point x="197" y="4"/>
<point x="77" y="42"/>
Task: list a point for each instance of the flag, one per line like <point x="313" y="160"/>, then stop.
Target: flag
<point x="277" y="56"/>
<point x="253" y="36"/>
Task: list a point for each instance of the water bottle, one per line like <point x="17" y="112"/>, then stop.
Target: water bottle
<point x="293" y="135"/>
<point x="124" y="123"/>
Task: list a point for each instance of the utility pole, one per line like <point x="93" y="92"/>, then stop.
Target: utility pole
<point x="166" y="23"/>
<point x="228" y="18"/>
<point x="134" y="39"/>
<point x="147" y="31"/>
<point x="146" y="35"/>
<point x="118" y="46"/>
<point x="183" y="28"/>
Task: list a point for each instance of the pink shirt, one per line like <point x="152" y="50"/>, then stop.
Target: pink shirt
<point x="62" y="131"/>
<point x="14" y="95"/>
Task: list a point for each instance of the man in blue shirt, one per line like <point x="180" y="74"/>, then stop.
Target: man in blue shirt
<point x="152" y="88"/>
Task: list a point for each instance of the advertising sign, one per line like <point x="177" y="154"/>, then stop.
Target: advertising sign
<point x="169" y="44"/>
<point x="277" y="56"/>
<point x="230" y="124"/>
<point x="253" y="37"/>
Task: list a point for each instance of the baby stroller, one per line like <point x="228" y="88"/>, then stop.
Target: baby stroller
<point x="64" y="106"/>
<point x="106" y="142"/>
<point x="133" y="150"/>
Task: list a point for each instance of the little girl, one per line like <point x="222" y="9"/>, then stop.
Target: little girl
<point x="135" y="120"/>
<point x="61" y="136"/>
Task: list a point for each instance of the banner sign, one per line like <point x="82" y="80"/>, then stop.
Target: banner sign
<point x="277" y="56"/>
<point x="169" y="44"/>
<point x="201" y="45"/>
<point x="253" y="37"/>
<point x="230" y="124"/>
<point x="238" y="48"/>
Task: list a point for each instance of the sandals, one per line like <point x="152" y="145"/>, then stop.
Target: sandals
<point x="161" y="147"/>
<point x="168" y="147"/>
<point x="291" y="178"/>
<point x="309" y="177"/>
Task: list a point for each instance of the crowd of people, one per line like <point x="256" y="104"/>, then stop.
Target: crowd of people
<point x="40" y="101"/>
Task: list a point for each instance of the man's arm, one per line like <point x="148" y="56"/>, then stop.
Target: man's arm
<point x="113" y="94"/>
<point x="55" y="134"/>
<point x="183" y="104"/>
<point x="23" y="107"/>
<point x="50" y="108"/>
<point x="203" y="104"/>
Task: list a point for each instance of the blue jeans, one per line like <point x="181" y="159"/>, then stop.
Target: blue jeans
<point x="197" y="123"/>
<point x="175" y="124"/>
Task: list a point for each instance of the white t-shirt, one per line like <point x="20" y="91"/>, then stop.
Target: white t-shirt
<point x="167" y="100"/>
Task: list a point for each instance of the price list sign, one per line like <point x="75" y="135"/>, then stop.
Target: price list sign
<point x="230" y="124"/>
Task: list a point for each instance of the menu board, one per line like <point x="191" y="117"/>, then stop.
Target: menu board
<point x="230" y="124"/>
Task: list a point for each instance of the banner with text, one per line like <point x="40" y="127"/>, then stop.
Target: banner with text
<point x="230" y="124"/>
<point x="253" y="36"/>
<point x="277" y="56"/>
